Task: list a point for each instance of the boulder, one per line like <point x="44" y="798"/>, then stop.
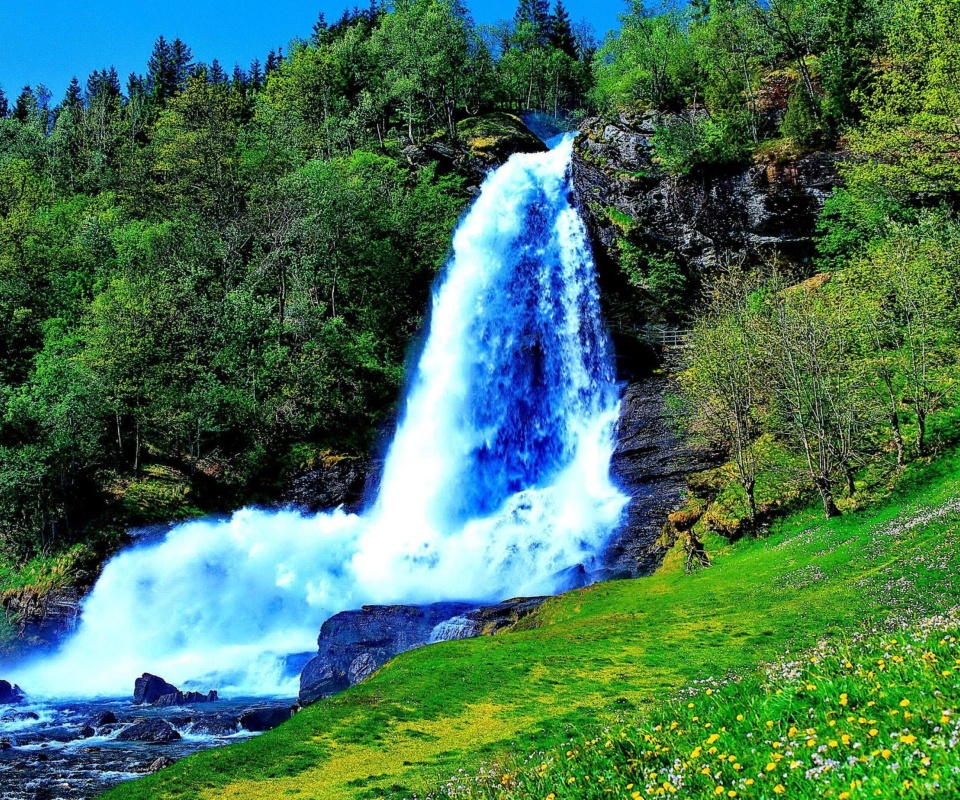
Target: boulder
<point x="215" y="725"/>
<point x="264" y="718"/>
<point x="104" y="718"/>
<point x="5" y="743"/>
<point x="150" y="688"/>
<point x="87" y="731"/>
<point x="10" y="694"/>
<point x="158" y="731"/>
<point x="154" y="691"/>
<point x="161" y="763"/>
<point x="20" y="716"/>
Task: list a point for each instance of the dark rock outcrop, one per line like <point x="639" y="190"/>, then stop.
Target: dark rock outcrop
<point x="650" y="464"/>
<point x="751" y="210"/>
<point x="10" y="694"/>
<point x="157" y="731"/>
<point x="329" y="482"/>
<point x="264" y="718"/>
<point x="43" y="619"/>
<point x="179" y="698"/>
<point x="150" y="688"/>
<point x="215" y="724"/>
<point x="355" y="643"/>
<point x="155" y="691"/>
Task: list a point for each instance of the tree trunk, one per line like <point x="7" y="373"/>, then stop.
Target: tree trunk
<point x="897" y="438"/>
<point x="851" y="484"/>
<point x="748" y="488"/>
<point x="826" y="494"/>
<point x="921" y="433"/>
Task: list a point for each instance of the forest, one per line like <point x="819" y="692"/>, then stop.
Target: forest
<point x="209" y="278"/>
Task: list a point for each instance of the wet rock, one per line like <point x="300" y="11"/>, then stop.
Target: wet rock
<point x="87" y="731"/>
<point x="20" y="716"/>
<point x="355" y="643"/>
<point x="10" y="694"/>
<point x="179" y="698"/>
<point x="161" y="763"/>
<point x="104" y="718"/>
<point x="264" y="718"/>
<point x="5" y="743"/>
<point x="650" y="464"/>
<point x="158" y="731"/>
<point x="328" y="482"/>
<point x="43" y="619"/>
<point x="215" y="725"/>
<point x="490" y="620"/>
<point x="150" y="688"/>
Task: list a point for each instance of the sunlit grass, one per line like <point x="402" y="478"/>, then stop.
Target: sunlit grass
<point x="617" y="656"/>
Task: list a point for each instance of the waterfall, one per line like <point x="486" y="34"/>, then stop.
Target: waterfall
<point x="497" y="479"/>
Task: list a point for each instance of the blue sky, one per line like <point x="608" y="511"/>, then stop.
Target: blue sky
<point x="48" y="41"/>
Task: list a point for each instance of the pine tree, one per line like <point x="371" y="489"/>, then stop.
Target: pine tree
<point x="4" y="105"/>
<point x="561" y="31"/>
<point x="255" y="75"/>
<point x="26" y="105"/>
<point x="216" y="73"/>
<point x="73" y="100"/>
<point x="182" y="58"/>
<point x="161" y="76"/>
<point x="536" y="14"/>
<point x="321" y="30"/>
<point x="272" y="62"/>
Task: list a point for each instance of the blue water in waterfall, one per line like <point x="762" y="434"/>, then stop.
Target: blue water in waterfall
<point x="496" y="481"/>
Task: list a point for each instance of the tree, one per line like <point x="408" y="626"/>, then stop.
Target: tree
<point x="535" y="15"/>
<point x="561" y="31"/>
<point x="818" y="402"/>
<point x="723" y="377"/>
<point x="4" y="104"/>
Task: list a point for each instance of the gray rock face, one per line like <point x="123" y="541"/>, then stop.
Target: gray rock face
<point x="155" y="691"/>
<point x="150" y="688"/>
<point x="329" y="483"/>
<point x="157" y="731"/>
<point x="354" y="644"/>
<point x="650" y="464"/>
<point x="748" y="210"/>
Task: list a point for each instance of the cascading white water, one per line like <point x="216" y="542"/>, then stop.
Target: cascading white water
<point x="496" y="481"/>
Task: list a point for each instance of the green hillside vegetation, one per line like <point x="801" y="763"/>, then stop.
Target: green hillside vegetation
<point x="617" y="660"/>
<point x="208" y="280"/>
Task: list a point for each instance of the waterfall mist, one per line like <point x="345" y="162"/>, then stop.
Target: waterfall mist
<point x="496" y="481"/>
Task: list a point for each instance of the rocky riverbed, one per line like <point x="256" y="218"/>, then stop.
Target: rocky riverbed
<point x="79" y="749"/>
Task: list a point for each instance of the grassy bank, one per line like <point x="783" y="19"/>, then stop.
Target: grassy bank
<point x="610" y="655"/>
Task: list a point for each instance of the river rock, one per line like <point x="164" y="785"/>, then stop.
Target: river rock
<point x="179" y="698"/>
<point x="352" y="644"/>
<point x="264" y="718"/>
<point x="215" y="725"/>
<point x="158" y="731"/>
<point x="161" y="763"/>
<point x="10" y="694"/>
<point x="87" y="731"/>
<point x="104" y="718"/>
<point x="150" y="688"/>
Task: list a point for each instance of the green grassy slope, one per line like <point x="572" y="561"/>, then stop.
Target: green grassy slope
<point x="590" y="658"/>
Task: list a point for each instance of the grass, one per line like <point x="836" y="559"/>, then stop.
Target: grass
<point x="617" y="654"/>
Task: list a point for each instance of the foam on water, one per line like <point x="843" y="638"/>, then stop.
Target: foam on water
<point x="496" y="481"/>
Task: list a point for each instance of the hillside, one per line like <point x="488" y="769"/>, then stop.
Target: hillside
<point x="613" y="653"/>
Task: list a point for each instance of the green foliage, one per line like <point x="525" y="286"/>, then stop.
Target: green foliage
<point x="682" y="144"/>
